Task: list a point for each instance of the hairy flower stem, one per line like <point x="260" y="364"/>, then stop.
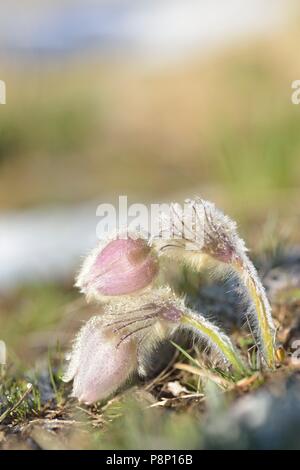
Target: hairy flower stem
<point x="263" y="310"/>
<point x="220" y="341"/>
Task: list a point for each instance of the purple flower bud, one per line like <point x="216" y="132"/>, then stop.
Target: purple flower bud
<point x="120" y="268"/>
<point x="99" y="362"/>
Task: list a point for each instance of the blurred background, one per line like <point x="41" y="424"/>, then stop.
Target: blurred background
<point x="154" y="100"/>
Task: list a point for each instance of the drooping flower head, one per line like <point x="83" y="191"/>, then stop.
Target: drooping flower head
<point x="201" y="230"/>
<point x="218" y="241"/>
<point x="110" y="347"/>
<point x="156" y="316"/>
<point x="120" y="266"/>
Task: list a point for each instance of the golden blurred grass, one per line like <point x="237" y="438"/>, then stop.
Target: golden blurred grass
<point x="223" y="127"/>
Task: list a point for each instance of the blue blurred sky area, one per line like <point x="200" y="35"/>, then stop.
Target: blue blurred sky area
<point x="151" y="28"/>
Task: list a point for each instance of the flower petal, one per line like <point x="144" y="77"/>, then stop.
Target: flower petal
<point x="99" y="365"/>
<point x="121" y="267"/>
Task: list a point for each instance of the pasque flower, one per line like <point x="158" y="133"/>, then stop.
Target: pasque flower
<point x="110" y="347"/>
<point x="137" y="315"/>
<point x="113" y="345"/>
<point x="118" y="267"/>
<point x="221" y="242"/>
